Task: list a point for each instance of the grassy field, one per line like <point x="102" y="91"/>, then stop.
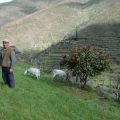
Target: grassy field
<point x="47" y="100"/>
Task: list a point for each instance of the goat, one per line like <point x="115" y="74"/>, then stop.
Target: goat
<point x="60" y="73"/>
<point x="33" y="71"/>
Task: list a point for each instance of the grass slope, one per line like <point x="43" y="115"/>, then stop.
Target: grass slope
<point x="46" y="100"/>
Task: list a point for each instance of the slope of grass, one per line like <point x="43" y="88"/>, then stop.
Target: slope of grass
<point x="47" y="100"/>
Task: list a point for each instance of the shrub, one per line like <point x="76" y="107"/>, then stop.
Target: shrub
<point x="86" y="62"/>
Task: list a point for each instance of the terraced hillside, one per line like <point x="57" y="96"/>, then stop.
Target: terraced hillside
<point x="50" y="25"/>
<point x="102" y="32"/>
<point x="96" y="20"/>
<point x="51" y="57"/>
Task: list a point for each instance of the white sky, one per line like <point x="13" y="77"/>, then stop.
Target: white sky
<point x="3" y="1"/>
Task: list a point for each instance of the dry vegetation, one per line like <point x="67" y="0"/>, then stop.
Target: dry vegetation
<point x="50" y="25"/>
<point x="20" y="8"/>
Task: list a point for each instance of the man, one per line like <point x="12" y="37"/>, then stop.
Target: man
<point x="7" y="63"/>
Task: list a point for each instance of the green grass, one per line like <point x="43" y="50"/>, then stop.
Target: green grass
<point x="47" y="100"/>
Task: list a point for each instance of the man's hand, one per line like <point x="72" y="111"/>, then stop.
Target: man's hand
<point x="11" y="70"/>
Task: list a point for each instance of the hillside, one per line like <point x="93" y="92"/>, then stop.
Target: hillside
<point x="45" y="27"/>
<point x="17" y="9"/>
<point x="44" y="31"/>
<point x="47" y="100"/>
<point x="101" y="31"/>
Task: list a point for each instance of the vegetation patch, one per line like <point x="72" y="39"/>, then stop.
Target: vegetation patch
<point x="43" y="100"/>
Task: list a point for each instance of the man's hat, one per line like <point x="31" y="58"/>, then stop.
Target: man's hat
<point x="6" y="40"/>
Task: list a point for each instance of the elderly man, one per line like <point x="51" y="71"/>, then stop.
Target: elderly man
<point x="7" y="63"/>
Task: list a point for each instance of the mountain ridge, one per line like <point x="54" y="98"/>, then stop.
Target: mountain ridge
<point x="44" y="28"/>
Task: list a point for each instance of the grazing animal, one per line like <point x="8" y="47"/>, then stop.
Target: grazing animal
<point x="60" y="73"/>
<point x="33" y="71"/>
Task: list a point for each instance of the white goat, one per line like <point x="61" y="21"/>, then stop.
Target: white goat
<point x="33" y="71"/>
<point x="60" y="73"/>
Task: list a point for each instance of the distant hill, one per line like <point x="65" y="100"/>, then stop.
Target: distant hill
<point x="48" y="26"/>
<point x="17" y="9"/>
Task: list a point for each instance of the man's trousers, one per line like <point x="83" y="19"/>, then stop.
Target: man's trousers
<point x="8" y="77"/>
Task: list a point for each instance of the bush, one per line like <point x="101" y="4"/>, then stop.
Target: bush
<point x="86" y="62"/>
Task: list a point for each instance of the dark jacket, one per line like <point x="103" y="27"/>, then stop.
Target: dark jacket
<point x="11" y="60"/>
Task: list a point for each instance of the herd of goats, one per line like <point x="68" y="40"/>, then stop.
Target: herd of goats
<point x="56" y="73"/>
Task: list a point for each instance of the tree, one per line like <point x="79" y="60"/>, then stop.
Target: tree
<point x="86" y="62"/>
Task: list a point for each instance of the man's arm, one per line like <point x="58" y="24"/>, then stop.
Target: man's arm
<point x="12" y="59"/>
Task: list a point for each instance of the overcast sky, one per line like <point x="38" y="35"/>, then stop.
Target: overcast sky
<point x="3" y="1"/>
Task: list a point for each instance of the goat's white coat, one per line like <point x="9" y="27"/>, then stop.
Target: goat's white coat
<point x="33" y="71"/>
<point x="60" y="73"/>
